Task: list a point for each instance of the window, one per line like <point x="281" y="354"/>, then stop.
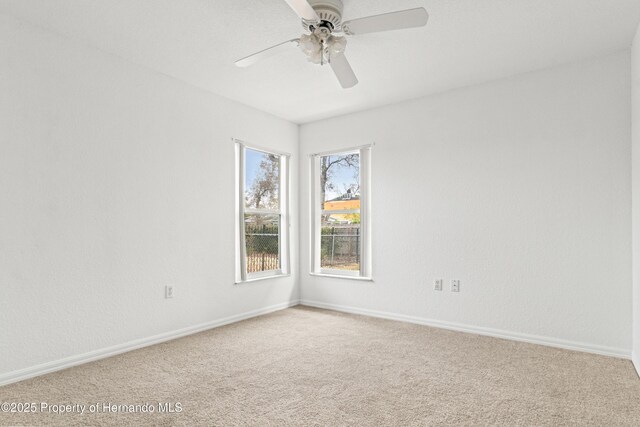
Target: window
<point x="262" y="220"/>
<point x="341" y="243"/>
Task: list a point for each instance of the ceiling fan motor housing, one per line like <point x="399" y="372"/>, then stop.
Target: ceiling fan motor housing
<point x="329" y="12"/>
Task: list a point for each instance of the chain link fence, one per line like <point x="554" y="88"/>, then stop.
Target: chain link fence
<point x="262" y="247"/>
<point x="340" y="247"/>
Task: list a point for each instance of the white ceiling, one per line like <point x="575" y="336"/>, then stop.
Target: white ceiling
<point x="465" y="42"/>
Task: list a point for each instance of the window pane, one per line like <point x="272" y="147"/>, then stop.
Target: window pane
<point x="340" y="182"/>
<point x="262" y="236"/>
<point x="340" y="242"/>
<point x="262" y="180"/>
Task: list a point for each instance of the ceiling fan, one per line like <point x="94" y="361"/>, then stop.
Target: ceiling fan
<point x="325" y="43"/>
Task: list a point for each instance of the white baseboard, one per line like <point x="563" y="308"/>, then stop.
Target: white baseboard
<point x="68" y="362"/>
<point x="497" y="333"/>
<point x="635" y="358"/>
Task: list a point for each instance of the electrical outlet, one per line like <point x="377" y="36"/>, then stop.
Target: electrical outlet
<point x="437" y="284"/>
<point x="168" y="291"/>
<point x="455" y="285"/>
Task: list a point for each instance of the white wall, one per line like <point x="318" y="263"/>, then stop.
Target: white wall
<point x="519" y="188"/>
<point x="115" y="181"/>
<point x="635" y="94"/>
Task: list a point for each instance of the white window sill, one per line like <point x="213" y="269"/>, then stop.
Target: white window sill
<point x="257" y="279"/>
<point x="337" y="276"/>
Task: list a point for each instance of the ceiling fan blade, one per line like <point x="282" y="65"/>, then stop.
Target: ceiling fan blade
<point x="303" y="9"/>
<point x="343" y="71"/>
<point x="387" y="21"/>
<point x="263" y="54"/>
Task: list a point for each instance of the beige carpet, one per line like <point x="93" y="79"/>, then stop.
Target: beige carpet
<point x="304" y="366"/>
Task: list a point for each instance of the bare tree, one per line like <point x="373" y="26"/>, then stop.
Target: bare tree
<point x="265" y="187"/>
<point x="352" y="189"/>
<point x="329" y="164"/>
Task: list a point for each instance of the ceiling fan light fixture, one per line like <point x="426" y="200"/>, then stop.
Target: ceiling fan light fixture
<point x="319" y="52"/>
<point x="316" y="58"/>
<point x="309" y="44"/>
<point x="336" y="45"/>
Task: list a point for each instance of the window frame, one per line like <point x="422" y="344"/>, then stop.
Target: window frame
<point x="283" y="211"/>
<point x="365" y="272"/>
